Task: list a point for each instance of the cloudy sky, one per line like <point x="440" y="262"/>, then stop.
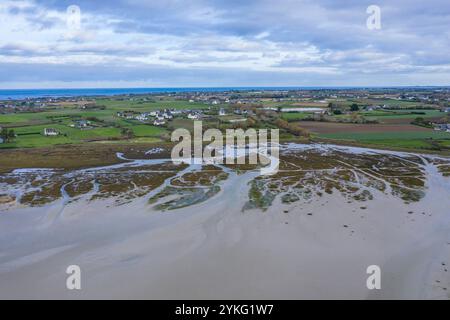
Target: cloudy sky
<point x="191" y="43"/>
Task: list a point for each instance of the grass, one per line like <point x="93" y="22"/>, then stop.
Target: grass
<point x="388" y="135"/>
<point x="143" y="130"/>
<point x="32" y="136"/>
<point x="416" y="140"/>
<point x="139" y="105"/>
<point x="395" y="114"/>
<point x="29" y="126"/>
<point x="405" y="114"/>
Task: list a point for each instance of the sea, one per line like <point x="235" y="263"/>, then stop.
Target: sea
<point x="19" y="94"/>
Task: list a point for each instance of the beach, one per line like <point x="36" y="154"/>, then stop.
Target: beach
<point x="314" y="249"/>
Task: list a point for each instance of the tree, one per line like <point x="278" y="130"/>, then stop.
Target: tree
<point x="11" y="135"/>
<point x="127" y="133"/>
<point x="4" y="134"/>
<point x="354" y="107"/>
<point x="7" y="136"/>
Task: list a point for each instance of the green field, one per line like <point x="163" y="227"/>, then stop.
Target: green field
<point x="29" y="126"/>
<point x="399" y="114"/>
<point x="395" y="114"/>
<point x="142" y="130"/>
<point x="108" y="114"/>
<point x="418" y="140"/>
<point x="118" y="105"/>
<point x="32" y="136"/>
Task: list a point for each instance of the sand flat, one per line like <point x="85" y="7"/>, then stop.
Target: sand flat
<point x="308" y="249"/>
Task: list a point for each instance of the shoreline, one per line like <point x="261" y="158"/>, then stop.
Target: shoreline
<point x="313" y="249"/>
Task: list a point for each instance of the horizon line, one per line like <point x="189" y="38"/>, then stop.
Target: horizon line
<point x="235" y="87"/>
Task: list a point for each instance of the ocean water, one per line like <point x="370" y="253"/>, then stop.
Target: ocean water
<point x="15" y="94"/>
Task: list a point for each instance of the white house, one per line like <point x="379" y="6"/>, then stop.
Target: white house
<point x="159" y="122"/>
<point x="50" y="132"/>
<point x="193" y="116"/>
<point x="442" y="127"/>
<point x="142" y="117"/>
<point x="167" y="115"/>
<point x="160" y="117"/>
<point x="80" y="124"/>
<point x="222" y="112"/>
<point x="373" y="108"/>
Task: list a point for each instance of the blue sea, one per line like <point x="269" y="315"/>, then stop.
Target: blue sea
<point x="17" y="94"/>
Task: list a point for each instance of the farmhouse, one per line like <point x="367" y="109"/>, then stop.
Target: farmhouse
<point x="159" y="122"/>
<point x="50" y="132"/>
<point x="373" y="108"/>
<point x="175" y="112"/>
<point x="167" y="115"/>
<point x="193" y="116"/>
<point x="142" y="117"/>
<point x="81" y="124"/>
<point x="442" y="127"/>
<point x="222" y="112"/>
<point x="90" y="105"/>
<point x="126" y="114"/>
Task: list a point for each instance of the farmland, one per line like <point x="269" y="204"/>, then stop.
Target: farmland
<point x="106" y="126"/>
<point x="360" y="117"/>
<point x="388" y="135"/>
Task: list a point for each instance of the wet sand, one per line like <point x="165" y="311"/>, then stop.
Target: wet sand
<point x="214" y="250"/>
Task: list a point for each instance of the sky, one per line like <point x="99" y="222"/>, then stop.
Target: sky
<point x="213" y="43"/>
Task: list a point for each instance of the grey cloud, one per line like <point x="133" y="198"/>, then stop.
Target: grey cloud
<point x="413" y="41"/>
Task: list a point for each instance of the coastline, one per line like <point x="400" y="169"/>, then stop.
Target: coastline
<point x="214" y="250"/>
